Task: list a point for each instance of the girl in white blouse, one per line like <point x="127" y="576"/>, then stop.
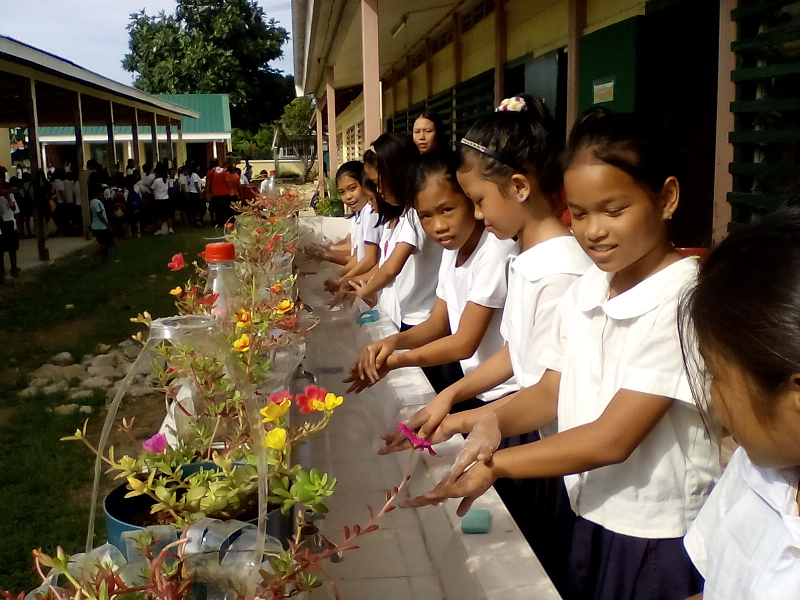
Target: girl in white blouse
<point x="746" y="315"/>
<point x="636" y="458"/>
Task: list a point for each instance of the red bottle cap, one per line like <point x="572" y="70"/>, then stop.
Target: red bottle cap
<point x="220" y="251"/>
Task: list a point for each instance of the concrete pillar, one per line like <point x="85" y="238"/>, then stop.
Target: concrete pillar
<point x="170" y="149"/>
<point x="83" y="176"/>
<point x="371" y="76"/>
<point x="39" y="208"/>
<point x="320" y="144"/>
<point x="330" y="95"/>
<point x="154" y="140"/>
<point x="137" y="149"/>
<point x="576" y="25"/>
<point x="726" y="93"/>
<point x="111" y="155"/>
<point x="181" y="145"/>
<point x="500" y="50"/>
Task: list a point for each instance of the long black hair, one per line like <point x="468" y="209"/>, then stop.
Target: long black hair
<point x="443" y="164"/>
<point x="745" y="307"/>
<point x="523" y="142"/>
<point x="392" y="156"/>
<point x="352" y="168"/>
<point x="386" y="212"/>
<point x="632" y="143"/>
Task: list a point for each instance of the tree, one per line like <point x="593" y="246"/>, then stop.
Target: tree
<point x="296" y="129"/>
<point x="253" y="145"/>
<point x="213" y="46"/>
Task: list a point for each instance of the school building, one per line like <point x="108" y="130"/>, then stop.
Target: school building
<point x="722" y="75"/>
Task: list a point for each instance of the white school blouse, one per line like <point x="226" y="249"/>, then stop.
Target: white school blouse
<point x="480" y="280"/>
<point x="602" y="345"/>
<point x="746" y="539"/>
<point x="363" y="230"/>
<point x="414" y="288"/>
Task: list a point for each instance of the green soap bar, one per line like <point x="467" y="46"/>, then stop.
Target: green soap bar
<point x="476" y="521"/>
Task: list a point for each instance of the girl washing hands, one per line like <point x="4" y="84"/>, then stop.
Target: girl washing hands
<point x="637" y="460"/>
<point x="465" y="322"/>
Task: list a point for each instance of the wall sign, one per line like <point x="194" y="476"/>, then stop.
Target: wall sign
<point x="603" y="90"/>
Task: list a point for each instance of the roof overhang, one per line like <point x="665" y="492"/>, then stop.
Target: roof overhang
<point x="328" y="32"/>
<point x="19" y="61"/>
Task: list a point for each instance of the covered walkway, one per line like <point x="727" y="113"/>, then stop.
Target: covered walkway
<point x="38" y="89"/>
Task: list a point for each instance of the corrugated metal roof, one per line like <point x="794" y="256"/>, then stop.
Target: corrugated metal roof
<point x="214" y="110"/>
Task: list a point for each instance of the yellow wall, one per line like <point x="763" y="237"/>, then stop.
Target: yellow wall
<point x="444" y="75"/>
<point x="477" y="49"/>
<point x="402" y="94"/>
<point x="537" y="26"/>
<point x="602" y="13"/>
<point x="418" y="85"/>
<point x="351" y="117"/>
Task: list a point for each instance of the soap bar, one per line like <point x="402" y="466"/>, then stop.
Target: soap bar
<point x="476" y="521"/>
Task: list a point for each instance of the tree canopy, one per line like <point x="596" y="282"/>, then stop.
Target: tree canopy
<point x="213" y="46"/>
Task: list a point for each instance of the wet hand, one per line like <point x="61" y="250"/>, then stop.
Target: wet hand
<point x="471" y="485"/>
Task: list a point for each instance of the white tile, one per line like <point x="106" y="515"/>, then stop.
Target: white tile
<point x="396" y="588"/>
<point x="349" y="508"/>
<point x="437" y="532"/>
<point x="356" y="475"/>
<point x="457" y="580"/>
<point x="415" y="553"/>
<point x="378" y="555"/>
<point x="426" y="587"/>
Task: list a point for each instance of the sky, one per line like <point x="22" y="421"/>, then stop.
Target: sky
<point x="91" y="33"/>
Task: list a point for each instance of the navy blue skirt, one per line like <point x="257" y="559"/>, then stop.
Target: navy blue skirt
<point x="610" y="566"/>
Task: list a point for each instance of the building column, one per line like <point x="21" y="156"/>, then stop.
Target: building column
<point x="577" y="23"/>
<point x="182" y="157"/>
<point x="457" y="46"/>
<point x="428" y="68"/>
<point x="726" y="93"/>
<point x="409" y="83"/>
<point x="320" y="143"/>
<point x="170" y="149"/>
<point x="39" y="207"/>
<point x="394" y="91"/>
<point x="500" y="50"/>
<point x="371" y="64"/>
<point x="330" y="100"/>
<point x="83" y="175"/>
<point x="137" y="152"/>
<point x="111" y="154"/>
<point x="154" y="140"/>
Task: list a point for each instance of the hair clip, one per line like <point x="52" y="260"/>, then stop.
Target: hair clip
<point x="491" y="154"/>
<point x="515" y="104"/>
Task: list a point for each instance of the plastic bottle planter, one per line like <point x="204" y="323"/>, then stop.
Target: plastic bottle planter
<point x="188" y="336"/>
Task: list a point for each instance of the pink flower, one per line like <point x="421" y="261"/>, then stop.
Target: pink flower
<point x="306" y="401"/>
<point x="177" y="262"/>
<point x="156" y="444"/>
<point x="418" y="443"/>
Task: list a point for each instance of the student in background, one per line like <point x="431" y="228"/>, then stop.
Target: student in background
<point x="428" y="133"/>
<point x="164" y="208"/>
<point x="9" y="237"/>
<point x="637" y="459"/>
<point x="100" y="227"/>
<point x="745" y="312"/>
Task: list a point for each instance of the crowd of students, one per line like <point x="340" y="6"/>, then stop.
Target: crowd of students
<point x="593" y="369"/>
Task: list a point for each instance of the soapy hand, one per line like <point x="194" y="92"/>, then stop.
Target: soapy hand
<point x="470" y="486"/>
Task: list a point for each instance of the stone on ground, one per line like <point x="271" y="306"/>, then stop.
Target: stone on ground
<point x="97" y="382"/>
<point x="132" y="352"/>
<point x="62" y="359"/>
<point x="39" y="382"/>
<point x="105" y="371"/>
<point x="55" y="388"/>
<point x="57" y="373"/>
<point x="66" y="409"/>
<point x="81" y="395"/>
<point x="29" y="392"/>
<point x="125" y="343"/>
<point x="87" y="358"/>
<point x="101" y="348"/>
<point x="86" y="410"/>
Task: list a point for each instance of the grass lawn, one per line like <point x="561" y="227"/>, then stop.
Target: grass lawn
<point x="43" y="494"/>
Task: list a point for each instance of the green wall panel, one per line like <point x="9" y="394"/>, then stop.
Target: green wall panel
<point x="610" y="54"/>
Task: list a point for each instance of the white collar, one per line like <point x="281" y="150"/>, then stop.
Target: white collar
<point x="645" y="296"/>
<point x="559" y="255"/>
<point x="778" y="488"/>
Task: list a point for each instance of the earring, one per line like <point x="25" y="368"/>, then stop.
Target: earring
<point x="520" y="196"/>
<point x="669" y="216"/>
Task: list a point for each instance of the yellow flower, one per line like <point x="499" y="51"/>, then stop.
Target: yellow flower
<point x="176" y="291"/>
<point x="274" y="411"/>
<point x="242" y="344"/>
<point x="331" y="402"/>
<point x="241" y="318"/>
<point x="284" y="307"/>
<point x="276" y="439"/>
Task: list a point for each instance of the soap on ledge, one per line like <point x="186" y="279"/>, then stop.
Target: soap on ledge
<point x="476" y="521"/>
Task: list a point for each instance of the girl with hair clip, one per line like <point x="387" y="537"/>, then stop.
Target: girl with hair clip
<point x="637" y="460"/>
<point x="509" y="168"/>
<point x="428" y="133"/>
<point x="364" y="233"/>
<point x="465" y="322"/>
<point x="745" y="314"/>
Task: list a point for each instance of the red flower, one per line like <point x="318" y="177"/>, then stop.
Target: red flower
<point x="291" y="247"/>
<point x="269" y="247"/>
<point x="191" y="293"/>
<point x="306" y="401"/>
<point x="208" y="300"/>
<point x="273" y="219"/>
<point x="288" y="322"/>
<point x="228" y="225"/>
<point x="260" y="230"/>
<point x="276" y="237"/>
<point x="279" y="397"/>
<point x="202" y="254"/>
<point x="177" y="262"/>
